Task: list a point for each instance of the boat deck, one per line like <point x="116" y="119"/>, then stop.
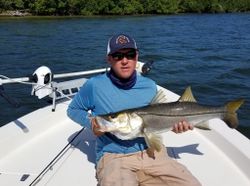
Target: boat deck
<point x="53" y="150"/>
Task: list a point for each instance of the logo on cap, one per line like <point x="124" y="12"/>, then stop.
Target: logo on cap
<point x="122" y="40"/>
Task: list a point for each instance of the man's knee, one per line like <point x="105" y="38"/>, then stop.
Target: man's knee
<point x="111" y="172"/>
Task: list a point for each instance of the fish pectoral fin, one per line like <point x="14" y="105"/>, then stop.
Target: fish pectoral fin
<point x="153" y="141"/>
<point x="203" y="125"/>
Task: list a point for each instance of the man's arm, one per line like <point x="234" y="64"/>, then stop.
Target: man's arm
<point x="80" y="105"/>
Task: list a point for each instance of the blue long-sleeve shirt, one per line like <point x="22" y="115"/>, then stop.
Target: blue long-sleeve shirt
<point x="101" y="96"/>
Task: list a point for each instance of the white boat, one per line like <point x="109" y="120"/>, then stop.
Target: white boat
<point x="45" y="147"/>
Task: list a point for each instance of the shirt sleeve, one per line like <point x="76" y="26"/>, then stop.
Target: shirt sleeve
<point x="81" y="104"/>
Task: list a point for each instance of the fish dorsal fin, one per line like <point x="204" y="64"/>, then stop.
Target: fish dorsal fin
<point x="187" y="96"/>
<point x="160" y="97"/>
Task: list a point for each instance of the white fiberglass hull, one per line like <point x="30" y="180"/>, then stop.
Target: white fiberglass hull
<point x="47" y="148"/>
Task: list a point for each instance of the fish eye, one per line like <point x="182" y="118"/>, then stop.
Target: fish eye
<point x="112" y="116"/>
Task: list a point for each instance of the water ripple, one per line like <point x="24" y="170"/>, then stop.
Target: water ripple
<point x="208" y="52"/>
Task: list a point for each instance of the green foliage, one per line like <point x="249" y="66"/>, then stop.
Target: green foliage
<point x="45" y="7"/>
<point x="5" y="5"/>
<point x="124" y="7"/>
<point x="161" y="6"/>
<point x="194" y="5"/>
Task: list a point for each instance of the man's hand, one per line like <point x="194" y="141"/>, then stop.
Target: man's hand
<point x="95" y="126"/>
<point x="182" y="126"/>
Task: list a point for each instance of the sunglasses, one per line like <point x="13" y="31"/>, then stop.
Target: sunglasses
<point x="119" y="55"/>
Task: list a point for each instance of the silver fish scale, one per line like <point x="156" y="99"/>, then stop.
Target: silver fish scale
<point x="178" y="109"/>
<point x="162" y="117"/>
<point x="160" y="123"/>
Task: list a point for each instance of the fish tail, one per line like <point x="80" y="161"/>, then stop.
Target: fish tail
<point x="231" y="116"/>
<point x="153" y="141"/>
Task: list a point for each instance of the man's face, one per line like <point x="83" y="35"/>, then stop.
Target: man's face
<point x="123" y="62"/>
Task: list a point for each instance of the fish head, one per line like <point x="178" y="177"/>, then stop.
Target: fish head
<point x="116" y="119"/>
<point x="120" y="123"/>
<point x="113" y="122"/>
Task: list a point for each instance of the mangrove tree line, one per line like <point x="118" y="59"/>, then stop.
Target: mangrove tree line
<point x="123" y="7"/>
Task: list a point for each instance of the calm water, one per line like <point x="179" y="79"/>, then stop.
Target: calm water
<point x="208" y="52"/>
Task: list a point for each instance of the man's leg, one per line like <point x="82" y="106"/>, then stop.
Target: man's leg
<point x="116" y="170"/>
<point x="163" y="170"/>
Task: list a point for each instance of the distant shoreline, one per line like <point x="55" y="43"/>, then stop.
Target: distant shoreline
<point x="15" y="13"/>
<point x="21" y="13"/>
<point x="21" y="8"/>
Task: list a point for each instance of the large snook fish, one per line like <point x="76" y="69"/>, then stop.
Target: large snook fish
<point x="156" y="118"/>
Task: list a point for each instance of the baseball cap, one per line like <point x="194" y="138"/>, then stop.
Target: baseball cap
<point x="120" y="41"/>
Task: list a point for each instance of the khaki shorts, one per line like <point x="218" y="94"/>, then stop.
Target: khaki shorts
<point x="139" y="169"/>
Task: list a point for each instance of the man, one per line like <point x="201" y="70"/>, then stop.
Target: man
<point x="125" y="162"/>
